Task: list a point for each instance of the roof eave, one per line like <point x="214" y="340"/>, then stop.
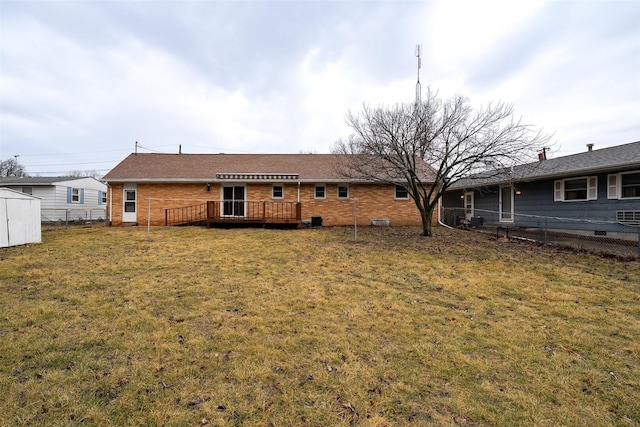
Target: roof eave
<point x="220" y="181"/>
<point x="542" y="177"/>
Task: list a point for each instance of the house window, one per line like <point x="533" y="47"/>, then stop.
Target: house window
<point x="320" y="192"/>
<point x="576" y="189"/>
<point x="277" y="191"/>
<point x="102" y="197"/>
<point x="343" y="192"/>
<point x="27" y="190"/>
<point x="75" y="195"/>
<point x="630" y="185"/>
<point x="624" y="185"/>
<point x="401" y="192"/>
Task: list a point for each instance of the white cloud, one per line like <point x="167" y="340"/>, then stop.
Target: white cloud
<point x="462" y="29"/>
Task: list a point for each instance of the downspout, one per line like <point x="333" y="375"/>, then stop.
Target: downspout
<point x="298" y="191"/>
<point x="110" y="204"/>
<point x="440" y="214"/>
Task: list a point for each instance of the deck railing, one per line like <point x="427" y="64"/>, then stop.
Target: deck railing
<point x="186" y="215"/>
<point x="211" y="212"/>
<point x="257" y="211"/>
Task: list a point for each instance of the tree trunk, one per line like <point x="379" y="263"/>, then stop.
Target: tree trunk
<point x="427" y="216"/>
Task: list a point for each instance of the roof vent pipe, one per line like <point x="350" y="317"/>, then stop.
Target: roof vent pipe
<point x="589" y="147"/>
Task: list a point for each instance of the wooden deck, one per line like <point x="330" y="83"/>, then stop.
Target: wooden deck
<point x="230" y="213"/>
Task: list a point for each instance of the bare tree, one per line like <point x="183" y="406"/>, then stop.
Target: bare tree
<point x="11" y="168"/>
<point x="426" y="147"/>
<point x="84" y="174"/>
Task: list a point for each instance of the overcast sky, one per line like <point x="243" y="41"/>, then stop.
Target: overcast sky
<point x="82" y="81"/>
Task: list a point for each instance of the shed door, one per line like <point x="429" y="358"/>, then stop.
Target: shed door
<point x="130" y="203"/>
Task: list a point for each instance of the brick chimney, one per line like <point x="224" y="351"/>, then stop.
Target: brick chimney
<point x="543" y="154"/>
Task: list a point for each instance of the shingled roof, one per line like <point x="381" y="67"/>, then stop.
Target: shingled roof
<point x="611" y="159"/>
<point x="155" y="167"/>
<point x="38" y="180"/>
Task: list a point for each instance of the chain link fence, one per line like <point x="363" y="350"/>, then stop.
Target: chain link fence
<point x="72" y="217"/>
<point x="610" y="237"/>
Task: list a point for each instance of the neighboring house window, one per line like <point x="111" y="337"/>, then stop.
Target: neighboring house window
<point x="102" y="197"/>
<point x="401" y="192"/>
<point x="277" y="191"/>
<point x="27" y="190"/>
<point x="320" y="192"/>
<point x="576" y="189"/>
<point x="343" y="192"/>
<point x="623" y="186"/>
<point x="75" y="195"/>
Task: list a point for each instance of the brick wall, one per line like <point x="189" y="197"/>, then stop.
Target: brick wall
<point x="374" y="201"/>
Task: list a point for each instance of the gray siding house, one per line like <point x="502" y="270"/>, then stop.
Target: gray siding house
<point x="64" y="198"/>
<point x="592" y="193"/>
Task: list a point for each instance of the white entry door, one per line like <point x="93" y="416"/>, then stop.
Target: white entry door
<point x="468" y="205"/>
<point x="130" y="203"/>
<point x="506" y="204"/>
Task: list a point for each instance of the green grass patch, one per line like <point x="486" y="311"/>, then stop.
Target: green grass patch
<point x="101" y="326"/>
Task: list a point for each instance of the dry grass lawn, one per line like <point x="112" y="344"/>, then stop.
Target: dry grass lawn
<point x="307" y="327"/>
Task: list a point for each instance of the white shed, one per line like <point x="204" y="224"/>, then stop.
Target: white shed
<point x="19" y="218"/>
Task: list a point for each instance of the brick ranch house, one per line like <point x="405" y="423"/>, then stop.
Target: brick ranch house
<point x="174" y="189"/>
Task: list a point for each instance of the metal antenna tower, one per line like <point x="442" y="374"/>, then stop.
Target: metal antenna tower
<point x="418" y="87"/>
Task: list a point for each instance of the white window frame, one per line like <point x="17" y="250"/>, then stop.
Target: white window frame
<point x="614" y="186"/>
<point x="402" y="189"/>
<point x="273" y="191"/>
<point x="344" y="186"/>
<point x="324" y="191"/>
<point x="75" y="195"/>
<point x="103" y="197"/>
<point x="559" y="192"/>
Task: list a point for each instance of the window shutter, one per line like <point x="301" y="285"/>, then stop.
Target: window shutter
<point x="612" y="187"/>
<point x="81" y="195"/>
<point x="592" y="188"/>
<point x="558" y="191"/>
<point x="69" y="196"/>
<point x="99" y="197"/>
